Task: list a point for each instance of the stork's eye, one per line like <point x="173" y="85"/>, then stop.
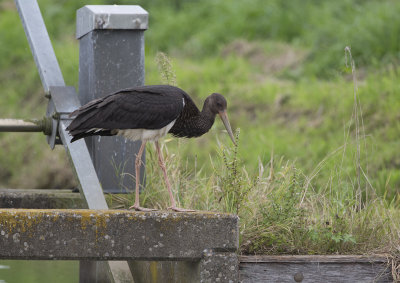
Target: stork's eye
<point x="219" y="105"/>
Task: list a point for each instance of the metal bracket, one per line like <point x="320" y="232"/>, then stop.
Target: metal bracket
<point x="63" y="101"/>
<point x="51" y="139"/>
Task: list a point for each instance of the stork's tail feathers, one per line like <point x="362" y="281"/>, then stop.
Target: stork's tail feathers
<point x="76" y="135"/>
<point x="85" y="117"/>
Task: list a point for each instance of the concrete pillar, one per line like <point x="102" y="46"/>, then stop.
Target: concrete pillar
<point x="213" y="267"/>
<point x="219" y="267"/>
<point x="111" y="58"/>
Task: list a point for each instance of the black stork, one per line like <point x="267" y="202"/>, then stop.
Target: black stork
<point x="148" y="113"/>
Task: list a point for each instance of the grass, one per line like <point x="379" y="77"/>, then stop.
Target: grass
<point x="310" y="174"/>
<point x="302" y="120"/>
<point x="279" y="211"/>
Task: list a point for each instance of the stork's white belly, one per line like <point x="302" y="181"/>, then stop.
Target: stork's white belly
<point x="145" y="134"/>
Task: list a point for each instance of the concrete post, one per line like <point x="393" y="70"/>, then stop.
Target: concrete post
<point x="219" y="267"/>
<point x="111" y="58"/>
<point x="213" y="267"/>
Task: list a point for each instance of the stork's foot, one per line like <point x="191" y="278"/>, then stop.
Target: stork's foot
<point x="177" y="209"/>
<point x="139" y="208"/>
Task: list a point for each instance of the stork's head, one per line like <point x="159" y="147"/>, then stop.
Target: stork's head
<point x="217" y="104"/>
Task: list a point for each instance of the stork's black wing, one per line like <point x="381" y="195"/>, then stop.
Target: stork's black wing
<point x="146" y="107"/>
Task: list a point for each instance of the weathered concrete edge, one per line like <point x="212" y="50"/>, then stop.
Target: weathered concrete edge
<point x="114" y="234"/>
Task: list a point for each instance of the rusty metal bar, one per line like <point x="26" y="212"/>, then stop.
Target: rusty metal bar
<point x="18" y="125"/>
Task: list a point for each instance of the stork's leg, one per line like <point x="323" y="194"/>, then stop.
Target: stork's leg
<point x="138" y="163"/>
<point x="164" y="170"/>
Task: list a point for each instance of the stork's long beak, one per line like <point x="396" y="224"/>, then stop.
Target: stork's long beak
<point x="224" y="118"/>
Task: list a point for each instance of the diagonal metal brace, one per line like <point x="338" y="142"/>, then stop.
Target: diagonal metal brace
<point x="39" y="42"/>
<point x="62" y="100"/>
<point x="65" y="100"/>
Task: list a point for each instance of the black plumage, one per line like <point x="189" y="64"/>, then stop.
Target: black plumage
<point x="147" y="107"/>
<point x="148" y="113"/>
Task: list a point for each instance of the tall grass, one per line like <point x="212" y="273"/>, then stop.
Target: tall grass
<point x="279" y="212"/>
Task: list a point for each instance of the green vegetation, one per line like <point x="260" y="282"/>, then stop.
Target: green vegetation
<point x="34" y="271"/>
<point x="317" y="169"/>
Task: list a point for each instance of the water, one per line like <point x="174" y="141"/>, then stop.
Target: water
<point x="39" y="271"/>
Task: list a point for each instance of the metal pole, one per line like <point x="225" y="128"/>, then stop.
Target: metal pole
<point x="16" y="125"/>
<point x="111" y="58"/>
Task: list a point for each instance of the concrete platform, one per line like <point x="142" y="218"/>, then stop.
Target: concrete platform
<point x="114" y="234"/>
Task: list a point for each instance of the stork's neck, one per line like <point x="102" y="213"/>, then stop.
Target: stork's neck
<point x="200" y="124"/>
<point x="206" y="118"/>
<point x="196" y="125"/>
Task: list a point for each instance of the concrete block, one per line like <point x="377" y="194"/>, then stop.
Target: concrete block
<point x="114" y="234"/>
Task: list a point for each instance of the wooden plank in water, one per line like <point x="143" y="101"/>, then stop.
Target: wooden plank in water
<point x="315" y="268"/>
